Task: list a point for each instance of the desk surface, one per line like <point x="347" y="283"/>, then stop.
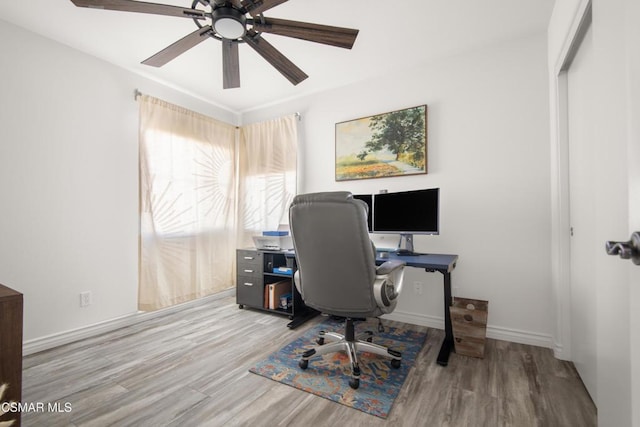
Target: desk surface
<point x="439" y="262"/>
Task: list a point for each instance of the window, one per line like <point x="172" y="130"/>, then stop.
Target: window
<point x="187" y="205"/>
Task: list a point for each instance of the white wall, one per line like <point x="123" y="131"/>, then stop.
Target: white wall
<point x="69" y="181"/>
<point x="488" y="131"/>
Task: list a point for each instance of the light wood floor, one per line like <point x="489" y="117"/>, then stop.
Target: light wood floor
<point x="190" y="368"/>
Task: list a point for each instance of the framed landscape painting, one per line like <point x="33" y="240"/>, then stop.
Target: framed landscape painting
<point x="388" y="144"/>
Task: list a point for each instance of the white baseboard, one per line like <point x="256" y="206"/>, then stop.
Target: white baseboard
<point x="521" y="337"/>
<point x="559" y="352"/>
<point x="55" y="340"/>
<point x="47" y="342"/>
<point x="416" y="319"/>
<point x="495" y="332"/>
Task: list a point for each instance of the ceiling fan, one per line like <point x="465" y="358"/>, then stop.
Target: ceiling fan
<point x="227" y="21"/>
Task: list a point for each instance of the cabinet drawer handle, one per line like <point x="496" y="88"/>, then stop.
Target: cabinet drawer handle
<point x="248" y="258"/>
<point x="248" y="284"/>
<point x="248" y="271"/>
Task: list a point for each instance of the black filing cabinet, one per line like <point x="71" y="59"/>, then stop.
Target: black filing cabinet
<point x="256" y="271"/>
<point x="250" y="281"/>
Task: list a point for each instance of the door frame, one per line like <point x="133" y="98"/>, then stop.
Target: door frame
<point x="560" y="214"/>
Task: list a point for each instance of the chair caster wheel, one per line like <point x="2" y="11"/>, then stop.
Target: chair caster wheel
<point x="354" y="383"/>
<point x="395" y="363"/>
<point x="304" y="364"/>
<point x="320" y="341"/>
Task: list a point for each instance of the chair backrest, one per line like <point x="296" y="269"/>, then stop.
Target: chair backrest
<point x="336" y="259"/>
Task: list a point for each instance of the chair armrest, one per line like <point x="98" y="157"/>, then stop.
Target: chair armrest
<point x="389" y="266"/>
<point x="296" y="281"/>
<point x="388" y="284"/>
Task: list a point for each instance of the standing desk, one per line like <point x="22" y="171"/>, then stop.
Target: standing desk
<point x="431" y="263"/>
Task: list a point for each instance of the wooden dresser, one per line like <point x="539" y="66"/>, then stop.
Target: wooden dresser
<point x="11" y="349"/>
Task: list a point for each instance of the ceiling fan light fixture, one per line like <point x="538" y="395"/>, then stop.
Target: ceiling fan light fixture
<point x="229" y="23"/>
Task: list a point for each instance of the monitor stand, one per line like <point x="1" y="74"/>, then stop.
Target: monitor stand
<point x="405" y="245"/>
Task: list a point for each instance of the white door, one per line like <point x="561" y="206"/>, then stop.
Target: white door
<point x="604" y="151"/>
<point x="614" y="21"/>
<point x="581" y="117"/>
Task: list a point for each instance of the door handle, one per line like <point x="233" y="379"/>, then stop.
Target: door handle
<point x="626" y="250"/>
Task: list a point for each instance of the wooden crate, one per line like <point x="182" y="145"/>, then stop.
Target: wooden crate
<point x="469" y="322"/>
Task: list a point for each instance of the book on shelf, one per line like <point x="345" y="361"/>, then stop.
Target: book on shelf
<point x="273" y="292"/>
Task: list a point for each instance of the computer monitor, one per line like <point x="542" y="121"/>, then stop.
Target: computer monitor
<point x="368" y="199"/>
<point x="407" y="213"/>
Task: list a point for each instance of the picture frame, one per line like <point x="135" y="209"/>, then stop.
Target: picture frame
<point x="383" y="145"/>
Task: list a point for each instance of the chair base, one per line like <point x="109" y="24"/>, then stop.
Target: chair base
<point x="350" y="344"/>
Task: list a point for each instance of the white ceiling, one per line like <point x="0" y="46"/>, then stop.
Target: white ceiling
<point x="393" y="36"/>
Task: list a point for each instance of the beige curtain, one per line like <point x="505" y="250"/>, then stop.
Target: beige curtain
<point x="187" y="204"/>
<point x="267" y="176"/>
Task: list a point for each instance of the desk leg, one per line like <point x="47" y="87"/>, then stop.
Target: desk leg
<point x="447" y="344"/>
<point x="299" y="319"/>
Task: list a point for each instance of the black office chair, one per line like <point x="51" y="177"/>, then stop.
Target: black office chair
<point x="337" y="274"/>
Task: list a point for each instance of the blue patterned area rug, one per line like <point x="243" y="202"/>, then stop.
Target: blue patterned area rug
<point x="328" y="375"/>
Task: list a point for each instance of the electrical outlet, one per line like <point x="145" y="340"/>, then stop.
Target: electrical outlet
<point x="417" y="287"/>
<point x="85" y="299"/>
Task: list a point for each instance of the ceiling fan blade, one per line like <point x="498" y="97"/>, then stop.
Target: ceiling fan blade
<point x="280" y="62"/>
<point x="256" y="7"/>
<point x="179" y="47"/>
<point x="142" y="7"/>
<point x="325" y="34"/>
<point x="230" y="65"/>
